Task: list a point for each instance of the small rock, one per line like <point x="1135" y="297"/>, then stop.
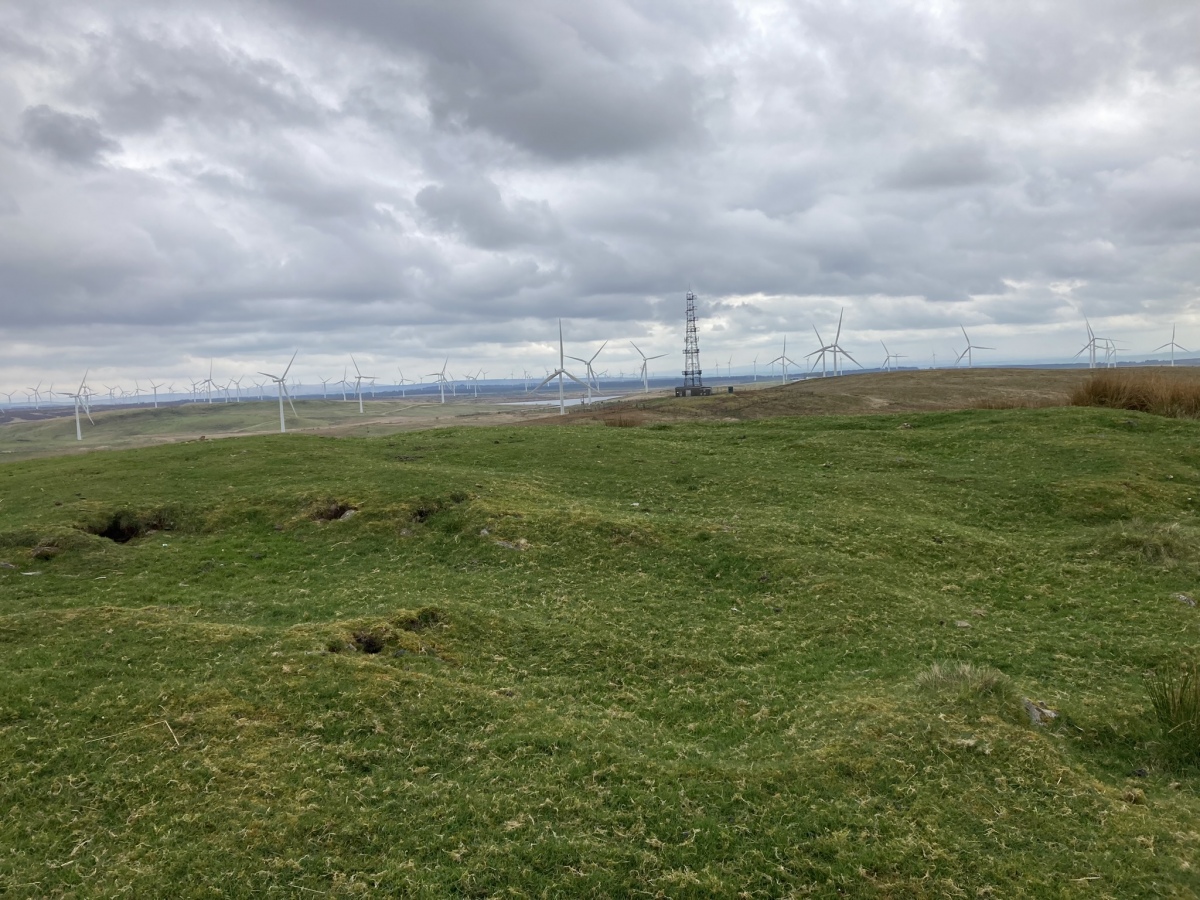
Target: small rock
<point x="906" y="425"/>
<point x="1039" y="713"/>
<point x="519" y="544"/>
<point x="1187" y="599"/>
<point x="348" y="514"/>
<point x="483" y="532"/>
<point x="31" y="573"/>
<point x="6" y="565"/>
<point x="405" y="532"/>
<point x="961" y="623"/>
<point x="979" y="612"/>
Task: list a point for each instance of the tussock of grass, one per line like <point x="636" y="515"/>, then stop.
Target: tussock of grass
<point x="1176" y="395"/>
<point x="1175" y="696"/>
<point x="964" y="680"/>
<point x="1164" y="544"/>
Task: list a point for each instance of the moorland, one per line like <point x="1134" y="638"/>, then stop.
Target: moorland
<point x="651" y="653"/>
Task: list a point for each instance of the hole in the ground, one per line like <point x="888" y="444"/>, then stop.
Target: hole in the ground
<point x="368" y="641"/>
<point x="123" y="526"/>
<point x="333" y="510"/>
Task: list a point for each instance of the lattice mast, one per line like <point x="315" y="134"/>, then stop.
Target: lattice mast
<point x="691" y="347"/>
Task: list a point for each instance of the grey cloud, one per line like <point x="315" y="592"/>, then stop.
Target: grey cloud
<point x="68" y="137"/>
<point x="950" y="165"/>
<point x="474" y="208"/>
<point x="425" y="178"/>
<point x="554" y="80"/>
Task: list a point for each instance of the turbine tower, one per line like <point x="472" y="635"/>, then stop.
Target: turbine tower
<point x="1173" y="346"/>
<point x="590" y="373"/>
<point x="81" y="401"/>
<point x="281" y="380"/>
<point x="645" y="371"/>
<point x="889" y="356"/>
<point x="559" y="373"/>
<point x="969" y="348"/>
<point x="784" y="361"/>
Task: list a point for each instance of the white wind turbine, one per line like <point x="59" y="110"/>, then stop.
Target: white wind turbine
<point x="969" y="348"/>
<point x="154" y="387"/>
<point x="208" y="384"/>
<point x="645" y="373"/>
<point x="821" y="350"/>
<point x="562" y="371"/>
<point x="81" y="402"/>
<point x="889" y="356"/>
<point x="325" y="388"/>
<point x="359" y="378"/>
<point x="756" y="368"/>
<point x="1173" y="347"/>
<point x="281" y="381"/>
<point x="784" y="361"/>
<point x="1090" y="347"/>
<point x="835" y="348"/>
<point x="441" y="379"/>
<point x="590" y="373"/>
<point x="474" y="379"/>
<point x="402" y="382"/>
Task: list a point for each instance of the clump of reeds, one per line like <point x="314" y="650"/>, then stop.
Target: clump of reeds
<point x="1175" y="696"/>
<point x="1141" y="390"/>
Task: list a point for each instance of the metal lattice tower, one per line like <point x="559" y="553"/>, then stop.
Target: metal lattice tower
<point x="691" y="347"/>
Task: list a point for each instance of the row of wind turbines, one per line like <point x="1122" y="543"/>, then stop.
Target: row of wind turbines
<point x="830" y="356"/>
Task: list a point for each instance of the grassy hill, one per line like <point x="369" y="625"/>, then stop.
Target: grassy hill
<point x="682" y="660"/>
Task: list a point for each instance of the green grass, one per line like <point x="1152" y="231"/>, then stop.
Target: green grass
<point x="683" y="661"/>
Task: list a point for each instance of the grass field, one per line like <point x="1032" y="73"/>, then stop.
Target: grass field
<point x="681" y="660"/>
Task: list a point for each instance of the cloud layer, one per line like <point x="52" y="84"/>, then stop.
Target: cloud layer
<point x="420" y="180"/>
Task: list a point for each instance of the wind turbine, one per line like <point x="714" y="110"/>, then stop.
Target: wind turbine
<point x="822" y="350"/>
<point x="969" y="348"/>
<point x="325" y="388"/>
<point x="756" y="368"/>
<point x="1090" y="346"/>
<point x="80" y="397"/>
<point x="403" y="381"/>
<point x="281" y="380"/>
<point x="561" y="371"/>
<point x="889" y="356"/>
<point x="359" y="378"/>
<point x="835" y="348"/>
<point x="590" y="373"/>
<point x="474" y="379"/>
<point x="1172" y="345"/>
<point x="154" y="387"/>
<point x="784" y="360"/>
<point x="441" y="379"/>
<point x="645" y="371"/>
<point x="208" y="383"/>
<point x="729" y="366"/>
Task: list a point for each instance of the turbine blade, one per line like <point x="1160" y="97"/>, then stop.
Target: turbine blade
<point x="289" y="365"/>
<point x="549" y="378"/>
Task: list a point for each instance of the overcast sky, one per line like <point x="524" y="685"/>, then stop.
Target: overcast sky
<point x="410" y="181"/>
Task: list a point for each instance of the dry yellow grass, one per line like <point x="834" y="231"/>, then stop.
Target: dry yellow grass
<point x="1165" y="392"/>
